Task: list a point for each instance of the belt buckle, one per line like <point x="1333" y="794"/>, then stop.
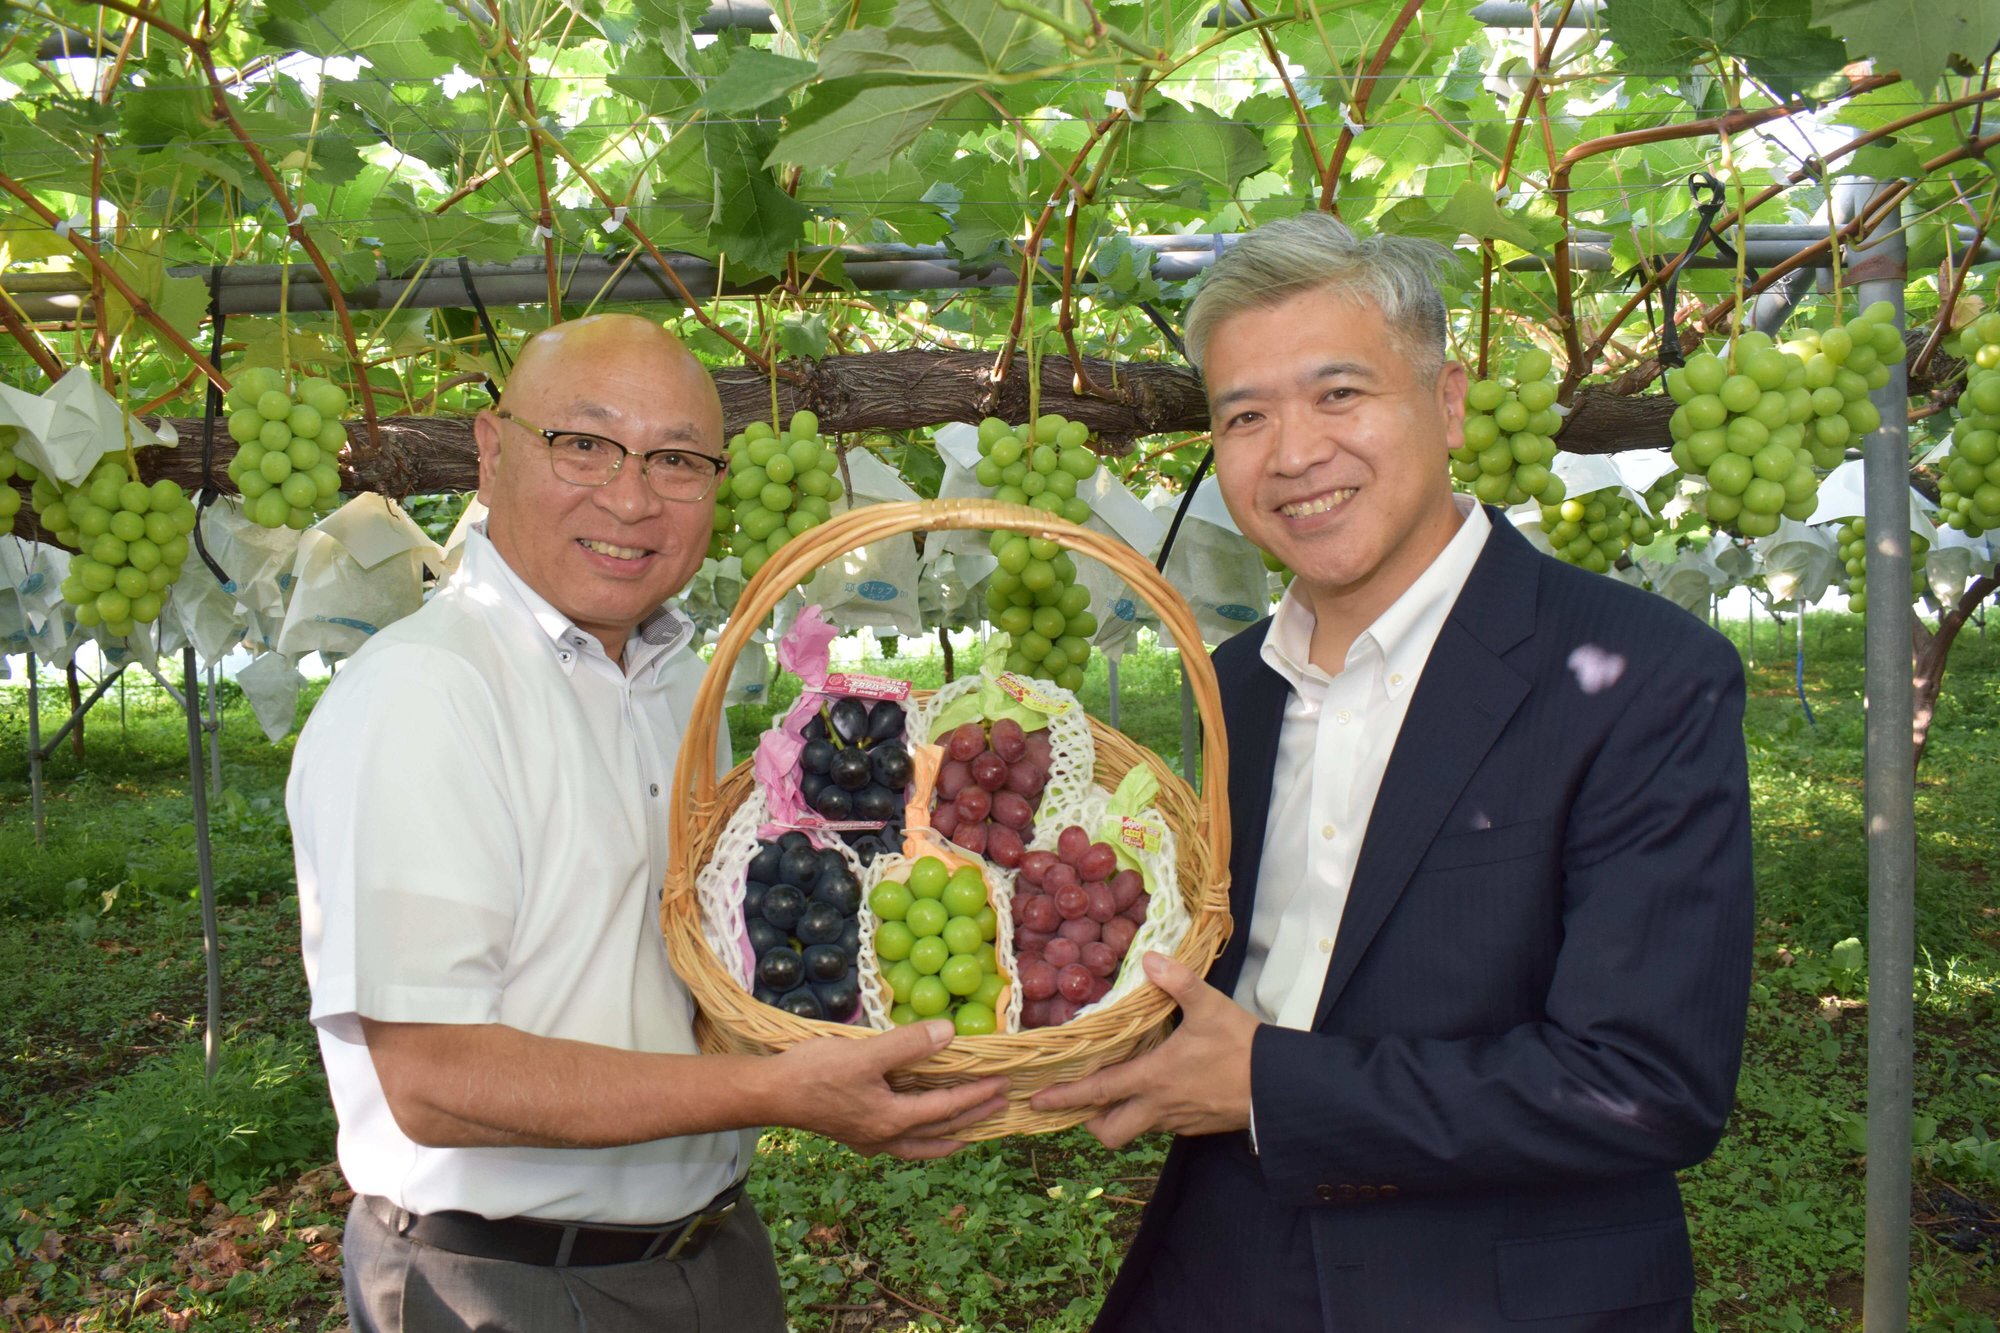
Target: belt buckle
<point x="694" y="1234"/>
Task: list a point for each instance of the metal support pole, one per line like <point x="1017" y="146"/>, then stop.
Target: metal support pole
<point x="1190" y="735"/>
<point x="1111" y="674"/>
<point x="215" y="726"/>
<point x="1879" y="269"/>
<point x="211" y="944"/>
<point x="35" y="750"/>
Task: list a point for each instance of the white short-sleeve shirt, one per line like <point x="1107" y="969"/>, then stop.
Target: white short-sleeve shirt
<point x="479" y="808"/>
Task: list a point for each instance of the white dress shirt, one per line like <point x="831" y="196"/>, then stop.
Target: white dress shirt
<point x="479" y="809"/>
<point x="1333" y="748"/>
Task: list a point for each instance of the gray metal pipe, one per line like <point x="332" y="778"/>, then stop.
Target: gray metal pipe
<point x="1518" y="14"/>
<point x="211" y="935"/>
<point x="1890" y="801"/>
<point x="35" y="750"/>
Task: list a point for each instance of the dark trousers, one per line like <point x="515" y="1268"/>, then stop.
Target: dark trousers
<point x="397" y="1285"/>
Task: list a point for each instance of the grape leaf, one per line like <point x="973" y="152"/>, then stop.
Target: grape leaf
<point x="755" y="77"/>
<point x="756" y="224"/>
<point x="1775" y="39"/>
<point x="1915" y="38"/>
<point x="842" y="120"/>
<point x="1176" y="143"/>
<point x="391" y="37"/>
<point x="1470" y="211"/>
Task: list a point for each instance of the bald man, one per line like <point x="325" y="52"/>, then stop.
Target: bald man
<point x="479" y="811"/>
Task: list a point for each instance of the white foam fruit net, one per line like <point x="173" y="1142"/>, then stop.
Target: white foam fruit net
<point x="1072" y="754"/>
<point x="719" y="887"/>
<point x="875" y="998"/>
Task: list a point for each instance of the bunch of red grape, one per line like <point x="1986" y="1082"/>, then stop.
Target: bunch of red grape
<point x="989" y="788"/>
<point x="1075" y="914"/>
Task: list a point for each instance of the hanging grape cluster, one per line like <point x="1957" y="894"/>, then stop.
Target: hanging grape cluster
<point x="780" y="484"/>
<point x="1757" y="422"/>
<point x="1596" y="529"/>
<point x="1969" y="487"/>
<point x="10" y="499"/>
<point x="1034" y="596"/>
<point x="1853" y="536"/>
<point x="286" y="444"/>
<point x="131" y="540"/>
<point x="1510" y="426"/>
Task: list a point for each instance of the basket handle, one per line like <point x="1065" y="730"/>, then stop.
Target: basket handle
<point x="803" y="556"/>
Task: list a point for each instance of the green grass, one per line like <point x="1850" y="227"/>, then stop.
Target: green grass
<point x="133" y="1196"/>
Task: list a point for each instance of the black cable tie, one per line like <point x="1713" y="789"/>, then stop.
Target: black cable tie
<point x="1187" y="498"/>
<point x="205" y="493"/>
<point x="1705" y="211"/>
<point x="485" y="325"/>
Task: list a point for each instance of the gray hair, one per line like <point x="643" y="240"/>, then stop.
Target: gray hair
<point x="1314" y="251"/>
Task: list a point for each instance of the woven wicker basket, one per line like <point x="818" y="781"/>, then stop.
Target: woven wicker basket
<point x="730" y="1021"/>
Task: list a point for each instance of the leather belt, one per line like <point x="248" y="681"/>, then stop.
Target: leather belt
<point x="552" y="1244"/>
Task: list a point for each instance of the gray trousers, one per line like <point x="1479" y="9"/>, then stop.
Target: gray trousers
<point x="396" y="1285"/>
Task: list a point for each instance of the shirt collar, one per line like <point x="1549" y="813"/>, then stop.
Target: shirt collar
<point x="654" y="641"/>
<point x="1404" y="633"/>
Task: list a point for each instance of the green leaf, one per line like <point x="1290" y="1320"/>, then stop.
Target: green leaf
<point x="756" y="224"/>
<point x="804" y="335"/>
<point x="390" y="36"/>
<point x="1775" y="39"/>
<point x="1915" y="38"/>
<point x="756" y="77"/>
<point x="1175" y="144"/>
<point x="1471" y="211"/>
<point x="842" y="121"/>
<point x="651" y="78"/>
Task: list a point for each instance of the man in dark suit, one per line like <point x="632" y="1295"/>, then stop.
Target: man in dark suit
<point x="1491" y="877"/>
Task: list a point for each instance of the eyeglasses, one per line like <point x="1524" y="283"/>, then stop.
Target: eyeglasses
<point x="583" y="459"/>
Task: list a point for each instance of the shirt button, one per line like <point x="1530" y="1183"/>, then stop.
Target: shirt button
<point x="1326" y="944"/>
<point x="1396" y="679"/>
<point x="1326" y="831"/>
<point x="1344" y="716"/>
<point x="563" y="656"/>
<point x="656" y="789"/>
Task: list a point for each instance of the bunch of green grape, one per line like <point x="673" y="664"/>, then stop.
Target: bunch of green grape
<point x="1594" y="530"/>
<point x="1854" y="562"/>
<point x="780" y="484"/>
<point x="10" y="499"/>
<point x="1969" y="488"/>
<point x="131" y="540"/>
<point x="1757" y="423"/>
<point x="1659" y="495"/>
<point x="286" y="444"/>
<point x="1039" y="466"/>
<point x="1510" y="426"/>
<point x="1034" y="596"/>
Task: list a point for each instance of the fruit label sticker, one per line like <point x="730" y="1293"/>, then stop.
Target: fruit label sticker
<point x="1142" y="833"/>
<point x="810" y="821"/>
<point x="1028" y="694"/>
<point x="867" y="687"/>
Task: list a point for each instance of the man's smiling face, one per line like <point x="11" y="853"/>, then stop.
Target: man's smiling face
<point x="1331" y="444"/>
<point x="605" y="556"/>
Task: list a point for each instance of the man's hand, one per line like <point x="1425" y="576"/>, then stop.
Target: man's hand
<point x="1195" y="1082"/>
<point x="840" y="1088"/>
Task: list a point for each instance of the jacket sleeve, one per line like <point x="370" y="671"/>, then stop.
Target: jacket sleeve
<point x="1632" y="1065"/>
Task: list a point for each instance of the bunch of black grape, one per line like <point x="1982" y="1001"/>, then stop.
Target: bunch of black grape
<point x="1854" y="561"/>
<point x="10" y="499"/>
<point x="1510" y="426"/>
<point x="855" y="766"/>
<point x="801" y="909"/>
<point x="1594" y="530"/>
<point x="1969" y="482"/>
<point x="779" y="486"/>
<point x="286" y="444"/>
<point x="131" y="540"/>
<point x="1034" y="596"/>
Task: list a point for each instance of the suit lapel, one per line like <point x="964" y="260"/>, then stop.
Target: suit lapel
<point x="1462" y="703"/>
<point x="1253" y="706"/>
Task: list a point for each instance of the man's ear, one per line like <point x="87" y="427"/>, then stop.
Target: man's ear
<point x="486" y="435"/>
<point x="1451" y="402"/>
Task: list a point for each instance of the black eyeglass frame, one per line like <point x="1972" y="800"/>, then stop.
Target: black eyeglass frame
<point x="549" y="437"/>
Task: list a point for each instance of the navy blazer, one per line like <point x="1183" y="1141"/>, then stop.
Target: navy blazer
<point x="1533" y="1013"/>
